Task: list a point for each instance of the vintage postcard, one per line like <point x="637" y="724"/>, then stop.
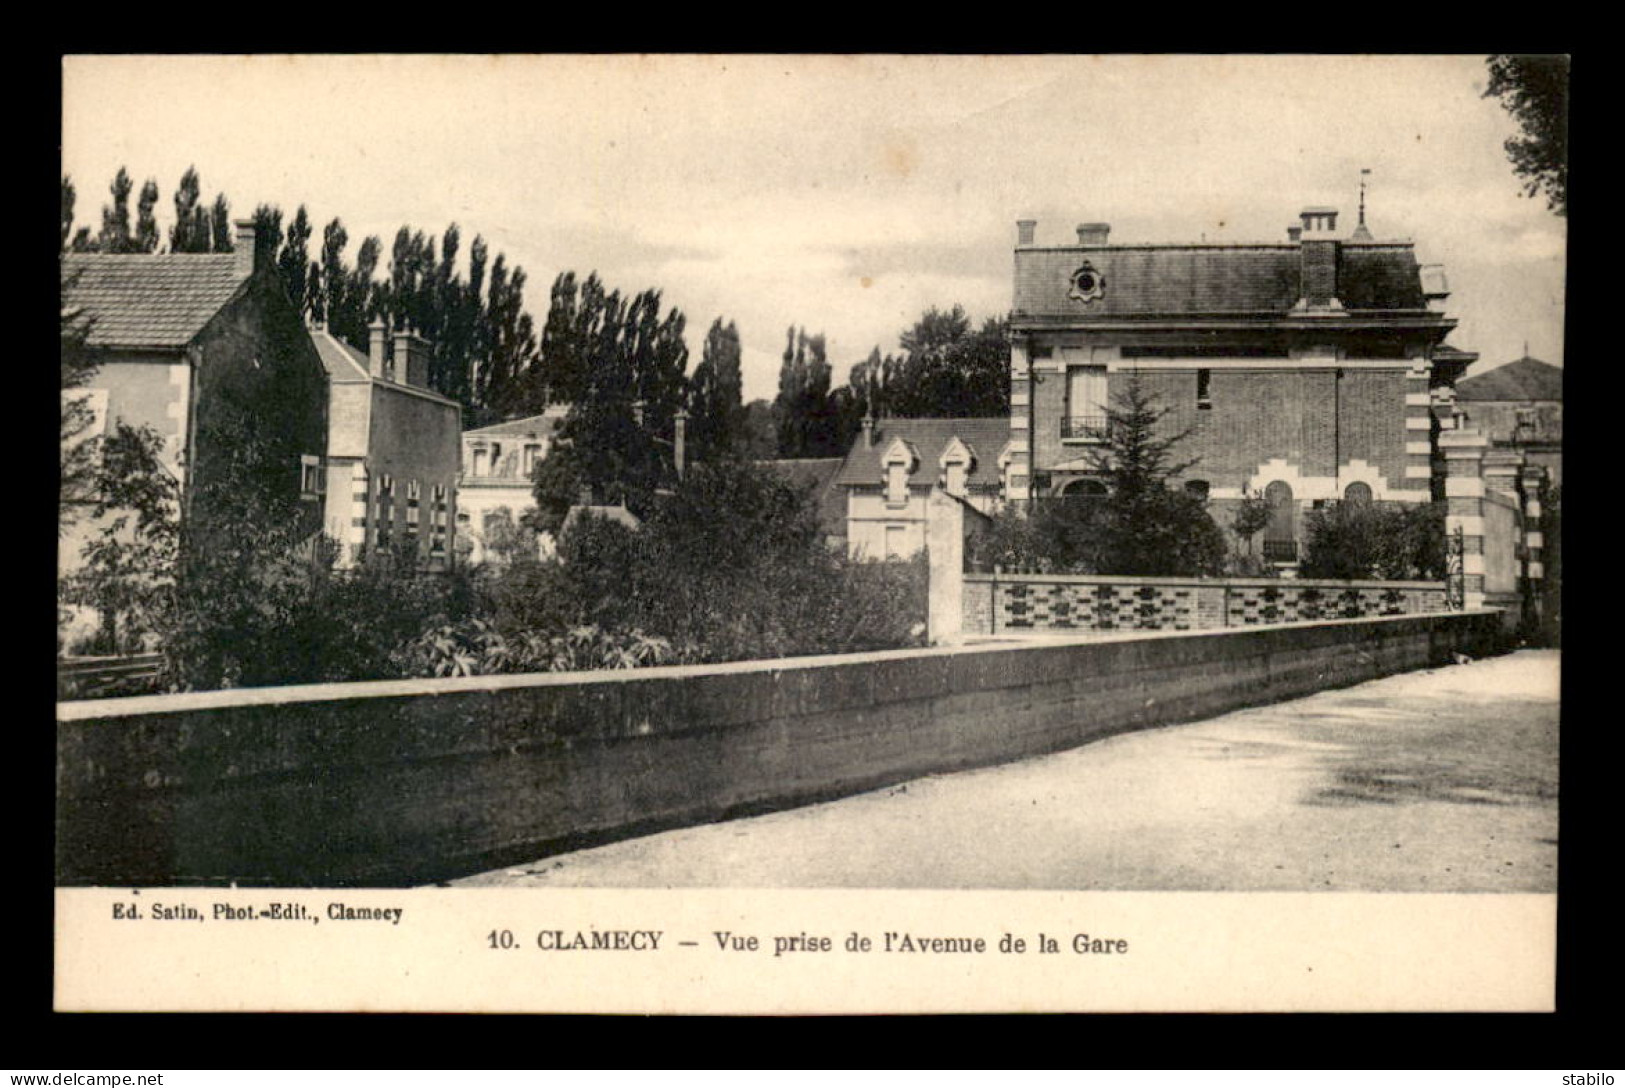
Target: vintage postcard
<point x="810" y="534"/>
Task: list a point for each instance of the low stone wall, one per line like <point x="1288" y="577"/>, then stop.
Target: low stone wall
<point x="411" y="781"/>
<point x="997" y="604"/>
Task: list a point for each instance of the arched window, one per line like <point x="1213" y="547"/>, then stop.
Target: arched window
<point x="1281" y="535"/>
<point x="1197" y="489"/>
<point x="1084" y="489"/>
<point x="1357" y="493"/>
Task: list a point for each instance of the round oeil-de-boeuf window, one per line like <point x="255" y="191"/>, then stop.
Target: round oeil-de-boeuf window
<point x="1087" y="284"/>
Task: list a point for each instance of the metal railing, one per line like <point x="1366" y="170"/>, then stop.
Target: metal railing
<point x="1281" y="551"/>
<point x="1084" y="428"/>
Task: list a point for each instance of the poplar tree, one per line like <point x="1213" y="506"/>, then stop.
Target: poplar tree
<point x="115" y="236"/>
<point x="147" y="234"/>
<point x="715" y="398"/>
<point x="68" y="199"/>
<point x="190" y="234"/>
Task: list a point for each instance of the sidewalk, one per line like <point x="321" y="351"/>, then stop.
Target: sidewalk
<point x="1443" y="780"/>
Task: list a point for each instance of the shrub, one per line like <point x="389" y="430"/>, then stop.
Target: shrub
<point x="1385" y="541"/>
<point x="1163" y="532"/>
<point x="727" y="567"/>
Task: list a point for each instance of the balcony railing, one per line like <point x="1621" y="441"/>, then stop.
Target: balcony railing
<point x="1084" y="428"/>
<point x="1281" y="551"/>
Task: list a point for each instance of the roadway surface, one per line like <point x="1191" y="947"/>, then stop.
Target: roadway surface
<point x="1433" y="781"/>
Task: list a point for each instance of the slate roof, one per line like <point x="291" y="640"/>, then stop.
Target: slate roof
<point x="1521" y="380"/>
<point x="929" y="437"/>
<point x="341" y="361"/>
<point x="817" y="475"/>
<point x="346" y="364"/>
<point x="548" y="421"/>
<point x="148" y="300"/>
<point x="1210" y="279"/>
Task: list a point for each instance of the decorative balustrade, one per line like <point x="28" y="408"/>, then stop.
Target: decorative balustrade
<point x="1030" y="603"/>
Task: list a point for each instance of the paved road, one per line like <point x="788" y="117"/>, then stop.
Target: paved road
<point x="1443" y="780"/>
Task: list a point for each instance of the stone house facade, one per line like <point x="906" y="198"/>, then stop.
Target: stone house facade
<point x="207" y="350"/>
<point x="495" y="476"/>
<point x="1304" y="370"/>
<point x="392" y="449"/>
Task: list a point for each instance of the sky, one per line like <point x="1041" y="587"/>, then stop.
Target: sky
<point x="845" y="195"/>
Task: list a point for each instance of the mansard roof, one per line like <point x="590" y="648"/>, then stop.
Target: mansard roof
<point x="1209" y="279"/>
<point x="1523" y="379"/>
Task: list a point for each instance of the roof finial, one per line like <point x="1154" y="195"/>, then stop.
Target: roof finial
<point x="1361" y="234"/>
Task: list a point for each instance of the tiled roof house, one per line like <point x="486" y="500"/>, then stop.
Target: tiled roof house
<point x="207" y="350"/>
<point x="1305" y="368"/>
<point x="893" y="466"/>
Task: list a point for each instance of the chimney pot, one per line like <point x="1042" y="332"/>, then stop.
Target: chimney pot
<point x="1024" y="231"/>
<point x="1294" y="234"/>
<point x="1093" y="234"/>
<point x="242" y="247"/>
<point x="1319" y="221"/>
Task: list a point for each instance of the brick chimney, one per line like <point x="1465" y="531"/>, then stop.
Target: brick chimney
<point x="412" y="358"/>
<point x="242" y="248"/>
<point x="1294" y="233"/>
<point x="1093" y="234"/>
<point x="868" y="431"/>
<point x="377" y="340"/>
<point x="1024" y="231"/>
<point x="1318" y="243"/>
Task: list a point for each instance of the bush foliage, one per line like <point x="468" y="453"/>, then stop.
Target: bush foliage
<point x="1385" y="541"/>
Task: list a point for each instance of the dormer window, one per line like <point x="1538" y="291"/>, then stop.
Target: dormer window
<point x="956" y="462"/>
<point x="897" y="464"/>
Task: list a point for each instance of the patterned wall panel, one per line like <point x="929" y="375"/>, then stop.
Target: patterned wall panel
<point x="1075" y="605"/>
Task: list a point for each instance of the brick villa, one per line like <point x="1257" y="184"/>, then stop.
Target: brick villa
<point x="1304" y="369"/>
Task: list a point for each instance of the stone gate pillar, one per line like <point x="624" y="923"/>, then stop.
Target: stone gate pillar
<point x="945" y="548"/>
<point x="1464" y="495"/>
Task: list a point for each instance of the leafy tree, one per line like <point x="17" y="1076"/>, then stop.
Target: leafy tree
<point x="1248" y="518"/>
<point x="1360" y="540"/>
<point x="617" y="362"/>
<point x="129" y="567"/>
<point x="948" y="369"/>
<point x="760" y="440"/>
<point x="1535" y="91"/>
<point x="80" y="452"/>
